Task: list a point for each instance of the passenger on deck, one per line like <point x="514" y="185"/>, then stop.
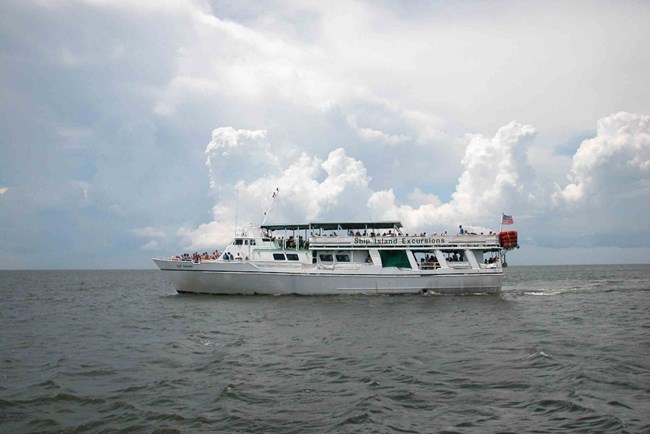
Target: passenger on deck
<point x="461" y="230"/>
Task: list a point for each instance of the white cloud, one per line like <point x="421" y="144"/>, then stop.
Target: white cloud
<point x="491" y="179"/>
<point x="334" y="188"/>
<point x="493" y="168"/>
<point x="3" y="190"/>
<point x="370" y="134"/>
<point x="237" y="152"/>
<point x="309" y="187"/>
<point x="496" y="177"/>
<point x="207" y="236"/>
<point x="616" y="161"/>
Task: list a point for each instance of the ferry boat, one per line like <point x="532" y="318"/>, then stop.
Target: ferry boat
<point x="346" y="258"/>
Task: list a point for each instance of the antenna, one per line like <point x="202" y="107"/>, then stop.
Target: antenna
<point x="236" y="211"/>
<point x="273" y="198"/>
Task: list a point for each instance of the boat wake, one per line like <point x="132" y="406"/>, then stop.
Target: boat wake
<point x="544" y="292"/>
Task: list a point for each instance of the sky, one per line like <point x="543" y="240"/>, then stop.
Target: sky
<point x="131" y="130"/>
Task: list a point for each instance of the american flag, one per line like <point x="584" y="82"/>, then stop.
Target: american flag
<point x="506" y="219"/>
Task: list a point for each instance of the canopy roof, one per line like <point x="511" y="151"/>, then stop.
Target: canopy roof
<point x="335" y="226"/>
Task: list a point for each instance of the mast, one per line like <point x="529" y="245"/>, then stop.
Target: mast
<point x="273" y="198"/>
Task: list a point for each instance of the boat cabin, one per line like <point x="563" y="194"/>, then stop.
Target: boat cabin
<point x="362" y="244"/>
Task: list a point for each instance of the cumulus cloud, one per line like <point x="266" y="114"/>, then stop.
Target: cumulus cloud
<point x="496" y="176"/>
<point x="309" y="187"/>
<point x="245" y="151"/>
<point x="493" y="168"/>
<point x="338" y="187"/>
<point x="616" y="161"/>
<point x="491" y="179"/>
<point x="3" y="190"/>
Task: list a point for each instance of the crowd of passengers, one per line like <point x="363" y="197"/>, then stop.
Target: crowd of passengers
<point x="291" y="241"/>
<point x="197" y="257"/>
<point x="432" y="261"/>
<point x="390" y="233"/>
<point x="429" y="262"/>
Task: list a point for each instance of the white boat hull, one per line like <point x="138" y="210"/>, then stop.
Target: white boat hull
<point x="241" y="278"/>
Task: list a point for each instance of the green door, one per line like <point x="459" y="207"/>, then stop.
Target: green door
<point x="394" y="258"/>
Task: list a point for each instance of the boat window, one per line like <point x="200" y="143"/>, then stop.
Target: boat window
<point x="252" y="242"/>
<point x="246" y="242"/>
<point x="238" y="242"/>
<point x="278" y="256"/>
<point x="342" y="258"/>
<point x="394" y="258"/>
<point x="326" y="258"/>
<point x="292" y="256"/>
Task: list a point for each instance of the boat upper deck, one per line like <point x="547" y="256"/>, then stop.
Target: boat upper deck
<point x="335" y="226"/>
<point x="382" y="235"/>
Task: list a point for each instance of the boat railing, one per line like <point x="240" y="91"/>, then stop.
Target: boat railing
<point x="277" y="264"/>
<point x="429" y="265"/>
<point x="466" y="241"/>
<point x="489" y="266"/>
<point x="348" y="266"/>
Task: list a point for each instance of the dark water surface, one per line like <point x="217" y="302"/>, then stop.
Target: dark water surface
<point x="562" y="349"/>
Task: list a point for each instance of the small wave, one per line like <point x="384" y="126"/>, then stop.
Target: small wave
<point x="356" y="419"/>
<point x="620" y="404"/>
<point x="550" y="406"/>
<point x="539" y="355"/>
<point x="90" y="373"/>
<point x="58" y="398"/>
<point x="595" y="423"/>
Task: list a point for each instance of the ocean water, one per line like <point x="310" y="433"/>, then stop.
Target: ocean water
<point x="562" y="349"/>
